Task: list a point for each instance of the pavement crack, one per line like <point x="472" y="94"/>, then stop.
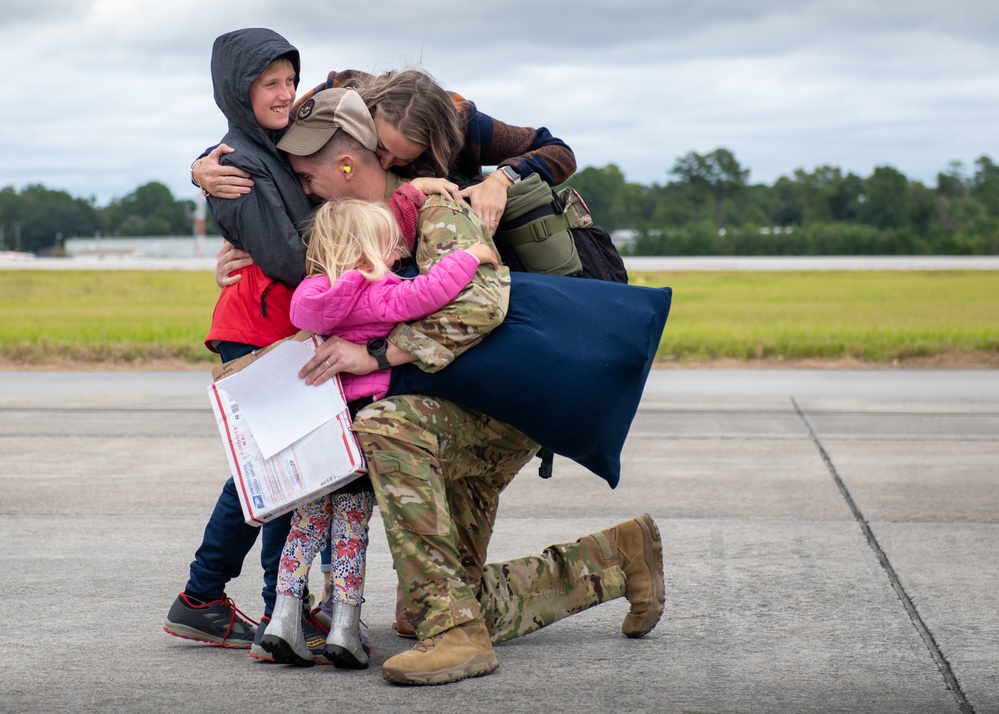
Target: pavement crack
<point x="950" y="679"/>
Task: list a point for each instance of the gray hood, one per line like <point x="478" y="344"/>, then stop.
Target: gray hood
<point x="267" y="221"/>
<point x="238" y="58"/>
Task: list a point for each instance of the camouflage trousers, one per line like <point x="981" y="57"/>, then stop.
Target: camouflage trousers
<point x="438" y="470"/>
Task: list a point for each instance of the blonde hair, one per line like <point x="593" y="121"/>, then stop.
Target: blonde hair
<point x="351" y="234"/>
<point x="279" y="63"/>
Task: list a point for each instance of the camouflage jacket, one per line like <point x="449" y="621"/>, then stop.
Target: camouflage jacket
<point x="442" y="227"/>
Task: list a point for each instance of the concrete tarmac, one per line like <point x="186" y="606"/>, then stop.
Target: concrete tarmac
<point x="830" y="545"/>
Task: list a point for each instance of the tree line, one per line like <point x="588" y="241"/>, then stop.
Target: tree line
<point x="707" y="208"/>
<point x="37" y="219"/>
<point x="710" y="208"/>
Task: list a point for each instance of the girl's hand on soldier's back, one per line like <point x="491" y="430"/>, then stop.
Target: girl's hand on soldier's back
<point x="441" y="186"/>
<point x="485" y="254"/>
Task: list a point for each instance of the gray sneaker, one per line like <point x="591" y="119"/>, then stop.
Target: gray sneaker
<point x="257" y="651"/>
<point x="315" y="639"/>
<point x="218" y="622"/>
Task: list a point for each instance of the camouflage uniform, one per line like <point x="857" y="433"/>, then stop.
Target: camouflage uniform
<point x="438" y="470"/>
<point x="435" y="341"/>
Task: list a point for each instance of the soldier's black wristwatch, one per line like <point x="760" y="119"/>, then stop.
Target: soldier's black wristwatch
<point x="377" y="349"/>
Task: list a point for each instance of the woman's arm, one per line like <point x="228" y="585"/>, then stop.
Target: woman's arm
<point x="228" y="260"/>
<point x="490" y="142"/>
<point x="217" y="179"/>
<point x="350" y="78"/>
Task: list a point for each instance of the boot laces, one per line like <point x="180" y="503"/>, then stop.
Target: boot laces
<point x="428" y="644"/>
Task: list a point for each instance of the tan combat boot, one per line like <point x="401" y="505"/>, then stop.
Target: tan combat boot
<point x="463" y="651"/>
<point x="640" y="556"/>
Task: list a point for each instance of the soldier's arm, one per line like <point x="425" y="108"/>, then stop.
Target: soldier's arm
<point x="436" y="340"/>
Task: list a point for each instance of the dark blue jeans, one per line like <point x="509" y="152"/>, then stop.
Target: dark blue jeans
<point x="228" y="538"/>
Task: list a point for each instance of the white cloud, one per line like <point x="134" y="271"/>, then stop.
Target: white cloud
<point x="114" y="93"/>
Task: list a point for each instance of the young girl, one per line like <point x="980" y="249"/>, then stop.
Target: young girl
<point x="351" y="292"/>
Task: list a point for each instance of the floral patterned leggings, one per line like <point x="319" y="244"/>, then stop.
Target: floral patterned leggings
<point x="343" y="519"/>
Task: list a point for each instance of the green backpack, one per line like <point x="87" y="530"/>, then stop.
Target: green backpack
<point x="535" y="233"/>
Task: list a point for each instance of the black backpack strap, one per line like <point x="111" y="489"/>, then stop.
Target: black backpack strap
<point x="547" y="459"/>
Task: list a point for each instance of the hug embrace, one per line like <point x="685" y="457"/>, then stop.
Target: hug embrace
<point x="351" y="213"/>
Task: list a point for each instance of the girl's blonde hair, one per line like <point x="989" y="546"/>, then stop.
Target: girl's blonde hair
<point x="350" y="234"/>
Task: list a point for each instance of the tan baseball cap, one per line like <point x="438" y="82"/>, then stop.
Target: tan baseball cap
<point x="322" y="115"/>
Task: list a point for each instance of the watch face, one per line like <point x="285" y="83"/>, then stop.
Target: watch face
<point x="510" y="173"/>
<point x="377" y="348"/>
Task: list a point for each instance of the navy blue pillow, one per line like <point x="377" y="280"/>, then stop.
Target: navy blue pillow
<point x="567" y="366"/>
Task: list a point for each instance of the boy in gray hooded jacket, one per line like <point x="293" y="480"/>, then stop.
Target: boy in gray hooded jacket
<point x="255" y="73"/>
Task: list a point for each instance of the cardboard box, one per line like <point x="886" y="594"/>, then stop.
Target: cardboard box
<point x="320" y="455"/>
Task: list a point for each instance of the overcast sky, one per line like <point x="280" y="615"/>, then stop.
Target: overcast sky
<point x="104" y="96"/>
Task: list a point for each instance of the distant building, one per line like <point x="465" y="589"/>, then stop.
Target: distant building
<point x="624" y="237"/>
<point x="144" y="247"/>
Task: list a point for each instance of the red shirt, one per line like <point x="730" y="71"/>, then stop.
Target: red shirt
<point x="254" y="311"/>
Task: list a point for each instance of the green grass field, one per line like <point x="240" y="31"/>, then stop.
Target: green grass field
<point x="869" y="316"/>
<point x="105" y="316"/>
<point x="126" y="317"/>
